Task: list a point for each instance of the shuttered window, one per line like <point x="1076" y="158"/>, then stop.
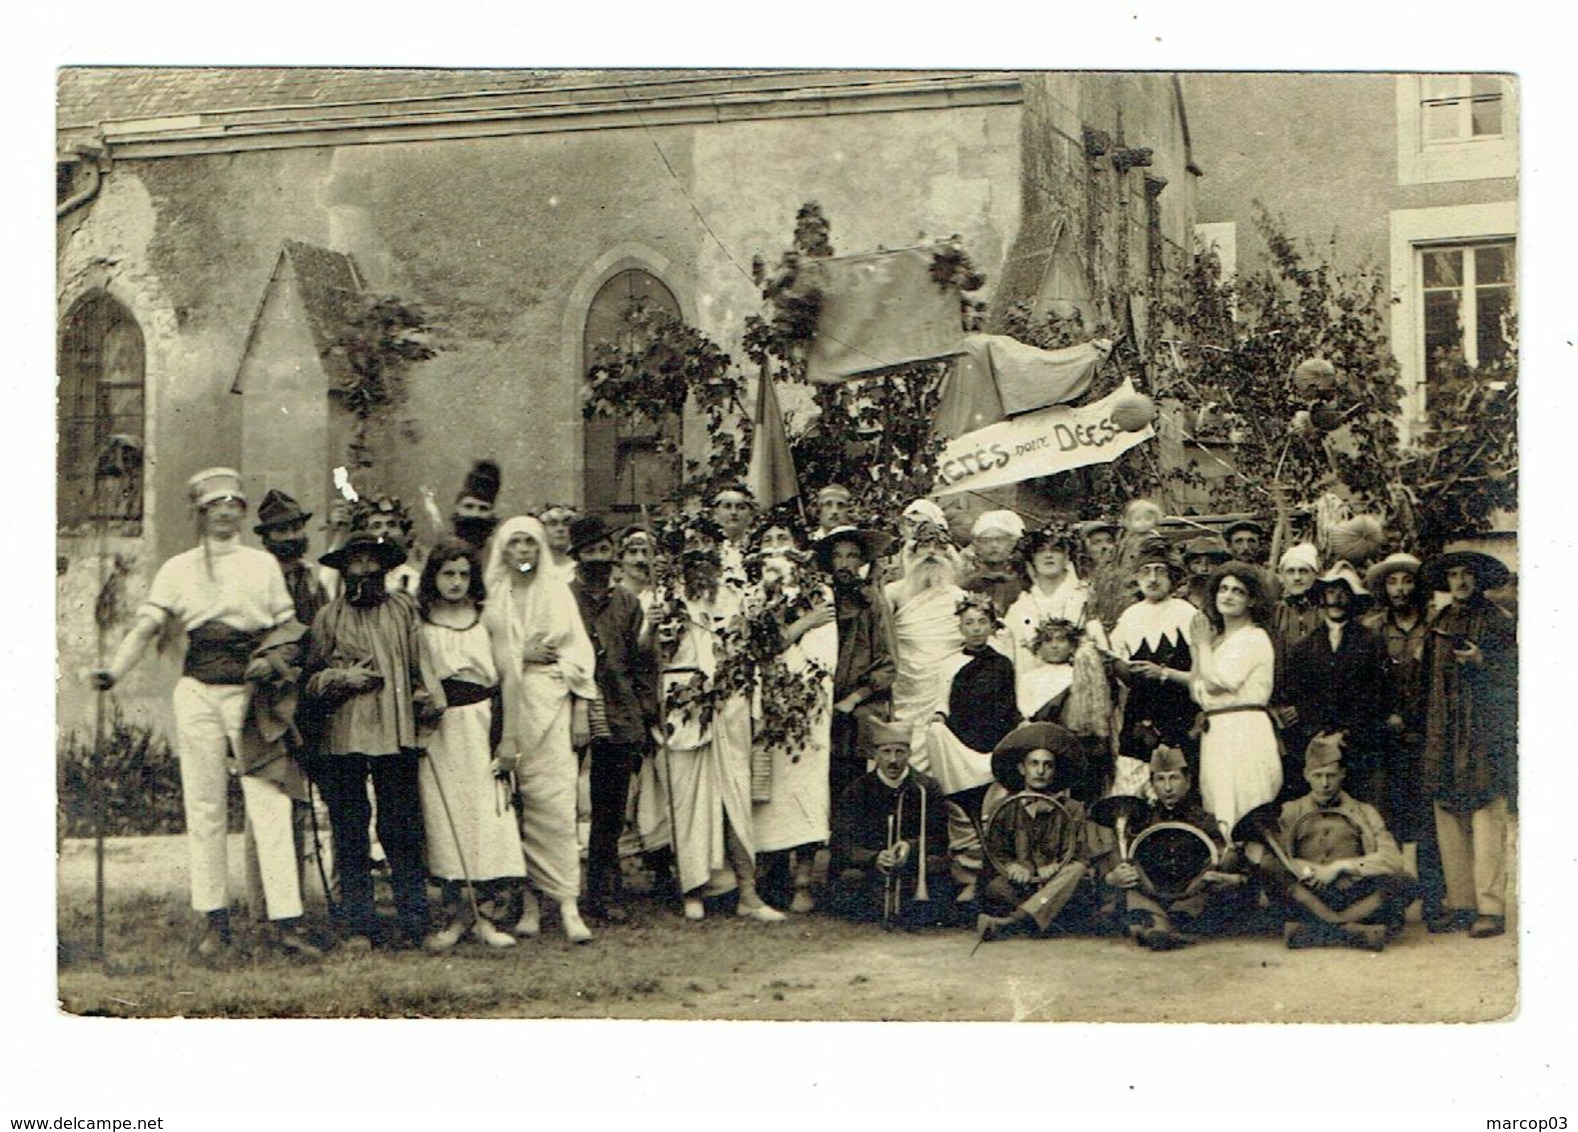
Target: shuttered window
<point x="101" y="412"/>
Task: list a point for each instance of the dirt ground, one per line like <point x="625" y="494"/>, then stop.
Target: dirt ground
<point x="810" y="968"/>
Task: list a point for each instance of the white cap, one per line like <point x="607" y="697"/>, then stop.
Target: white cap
<point x="1000" y="522"/>
<point x="1303" y="554"/>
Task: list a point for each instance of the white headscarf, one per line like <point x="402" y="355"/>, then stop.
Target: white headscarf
<point x="546" y="611"/>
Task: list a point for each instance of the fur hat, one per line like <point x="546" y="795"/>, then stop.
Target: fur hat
<point x="482" y="483"/>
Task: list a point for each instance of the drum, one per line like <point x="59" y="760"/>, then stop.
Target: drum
<point x="1324" y="836"/>
<point x="1172" y="855"/>
<point x="1033" y="829"/>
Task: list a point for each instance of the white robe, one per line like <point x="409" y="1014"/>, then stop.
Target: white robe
<point x="926" y="632"/>
<point x="798" y="811"/>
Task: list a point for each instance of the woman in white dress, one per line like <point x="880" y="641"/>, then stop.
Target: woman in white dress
<point x="1240" y="766"/>
<point x="471" y="831"/>
<point x="794" y="821"/>
<point x="547" y="686"/>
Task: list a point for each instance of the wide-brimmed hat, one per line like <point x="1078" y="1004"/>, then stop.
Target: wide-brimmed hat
<point x="1491" y="573"/>
<point x="278" y="510"/>
<point x="1342" y="574"/>
<point x="213" y="484"/>
<point x="587" y="529"/>
<point x="1092" y="526"/>
<point x="1243" y="525"/>
<point x="1027" y="737"/>
<point x="1208" y="547"/>
<point x="389" y="554"/>
<point x="874" y="544"/>
<point x="1375" y="577"/>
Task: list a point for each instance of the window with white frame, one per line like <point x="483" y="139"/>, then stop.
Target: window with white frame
<point x="1466" y="290"/>
<point x="1456" y="127"/>
<point x="1454" y="108"/>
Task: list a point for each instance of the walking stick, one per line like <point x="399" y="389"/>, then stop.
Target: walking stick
<point x="317" y="848"/>
<point x="471" y="888"/>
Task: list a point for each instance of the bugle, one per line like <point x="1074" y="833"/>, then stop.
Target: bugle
<point x="890" y="888"/>
<point x="1117" y="812"/>
<point x="1264" y="824"/>
<point x="920" y="880"/>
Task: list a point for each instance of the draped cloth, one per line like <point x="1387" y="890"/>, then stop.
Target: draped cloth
<point x="926" y="632"/>
<point x="543" y="612"/>
<point x="709" y="759"/>
<point x="798" y="812"/>
<point x="459" y="769"/>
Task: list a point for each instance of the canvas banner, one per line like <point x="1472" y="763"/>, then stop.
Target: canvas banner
<point x="878" y="311"/>
<point x="1037" y="444"/>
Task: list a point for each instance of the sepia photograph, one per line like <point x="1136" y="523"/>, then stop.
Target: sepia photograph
<point x="776" y="544"/>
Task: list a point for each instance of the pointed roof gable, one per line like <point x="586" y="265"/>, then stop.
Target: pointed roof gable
<point x="329" y="287"/>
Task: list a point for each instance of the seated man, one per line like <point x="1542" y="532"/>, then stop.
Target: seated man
<point x="879" y="839"/>
<point x="1154" y="908"/>
<point x="1349" y="886"/>
<point x="1039" y="847"/>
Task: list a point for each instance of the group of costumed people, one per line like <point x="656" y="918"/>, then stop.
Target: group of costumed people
<point x="1058" y="730"/>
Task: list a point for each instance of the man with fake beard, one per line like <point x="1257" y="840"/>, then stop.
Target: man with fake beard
<point x="864" y="673"/>
<point x="1336" y="680"/>
<point x="708" y="754"/>
<point x="232" y="602"/>
<point x="474" y="520"/>
<point x="627" y="709"/>
<point x="282" y="525"/>
<point x="363" y="678"/>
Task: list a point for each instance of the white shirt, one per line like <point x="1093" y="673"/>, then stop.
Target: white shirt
<point x="245" y="590"/>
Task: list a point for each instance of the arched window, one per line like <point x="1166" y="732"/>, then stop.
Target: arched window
<point x="624" y="466"/>
<point x="101" y="372"/>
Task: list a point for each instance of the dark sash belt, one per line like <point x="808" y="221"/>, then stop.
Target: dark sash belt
<point x="464" y="693"/>
<point x="217" y="653"/>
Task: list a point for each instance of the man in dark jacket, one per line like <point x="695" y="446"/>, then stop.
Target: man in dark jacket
<point x="1336" y="682"/>
<point x="623" y="717"/>
<point x="865" y="666"/>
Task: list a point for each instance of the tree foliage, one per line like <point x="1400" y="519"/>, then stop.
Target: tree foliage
<point x="381" y="338"/>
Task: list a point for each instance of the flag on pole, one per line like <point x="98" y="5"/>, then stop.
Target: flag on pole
<point x="771" y="475"/>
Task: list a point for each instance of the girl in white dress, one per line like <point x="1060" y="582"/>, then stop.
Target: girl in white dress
<point x="1240" y="765"/>
<point x="471" y="831"/>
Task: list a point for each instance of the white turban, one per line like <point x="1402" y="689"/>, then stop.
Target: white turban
<point x="927" y="510"/>
<point x="1002" y="522"/>
<point x="1303" y="554"/>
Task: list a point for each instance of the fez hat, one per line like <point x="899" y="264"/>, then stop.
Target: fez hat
<point x="883" y="732"/>
<point x="213" y="484"/>
<point x="1323" y="750"/>
<point x="1167" y="758"/>
<point x="278" y="510"/>
<point x="482" y="482"/>
<point x="1208" y="547"/>
<point x="1029" y="737"/>
<point x="1249" y="525"/>
<point x="1002" y="522"/>
<point x="873" y="544"/>
<point x="587" y="529"/>
<point x="389" y="554"/>
<point x="1489" y="572"/>
<point x="1375" y="577"/>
